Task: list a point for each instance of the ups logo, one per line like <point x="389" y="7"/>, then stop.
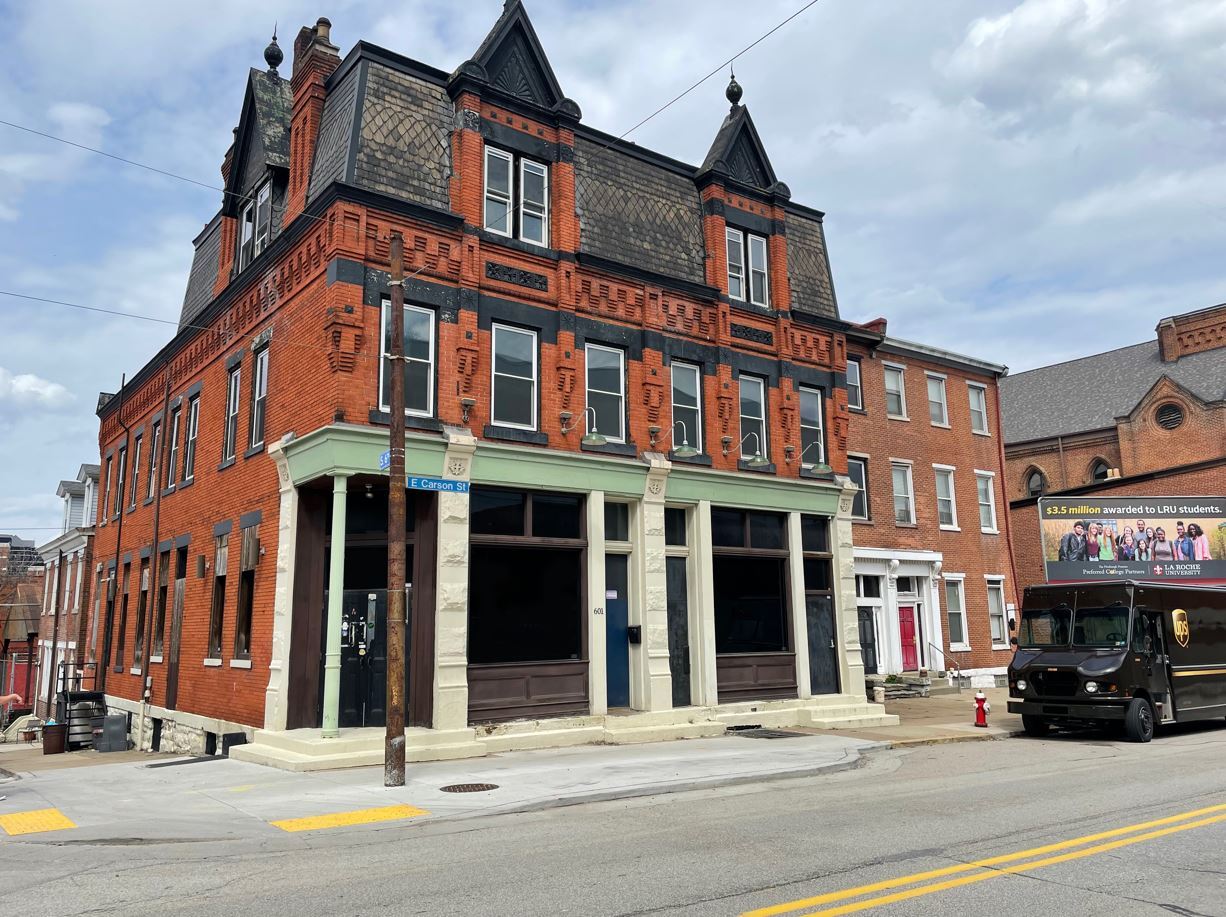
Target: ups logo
<point x="1179" y="620"/>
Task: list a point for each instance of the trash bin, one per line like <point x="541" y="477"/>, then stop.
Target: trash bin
<point x="55" y="736"/>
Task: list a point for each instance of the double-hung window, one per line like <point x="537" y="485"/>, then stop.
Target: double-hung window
<point x="997" y="612"/>
<point x="987" y="501"/>
<point x="255" y="225"/>
<point x="979" y="408"/>
<point x="259" y="398"/>
<point x="230" y="438"/>
<point x="687" y="405"/>
<point x="189" y="446"/>
<point x="748" y="274"/>
<point x="155" y="451"/>
<point x="812" y="446"/>
<point x="172" y="457"/>
<point x="938" y="410"/>
<point x="904" y="494"/>
<point x="418" y="347"/>
<point x="947" y="506"/>
<point x="121" y="469"/>
<point x="514" y="382"/>
<point x="895" y="392"/>
<point x="606" y="391"/>
<point x="857" y="470"/>
<point x="955" y="610"/>
<point x="753" y="416"/>
<point x="516" y="197"/>
<point x="217" y="608"/>
<point x="135" y="471"/>
<point x="855" y="393"/>
<point x="106" y="493"/>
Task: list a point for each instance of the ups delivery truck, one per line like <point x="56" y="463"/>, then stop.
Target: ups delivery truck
<point x="1119" y="652"/>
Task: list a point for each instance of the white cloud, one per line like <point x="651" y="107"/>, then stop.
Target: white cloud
<point x="29" y="390"/>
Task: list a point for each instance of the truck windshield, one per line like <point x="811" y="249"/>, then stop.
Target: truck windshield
<point x="1101" y="627"/>
<point x="1045" y="627"/>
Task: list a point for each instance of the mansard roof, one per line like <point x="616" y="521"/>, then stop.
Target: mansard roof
<point x="261" y="140"/>
<point x="737" y="152"/>
<point x="514" y="60"/>
<point x="203" y="275"/>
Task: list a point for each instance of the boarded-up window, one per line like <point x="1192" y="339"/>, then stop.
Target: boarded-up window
<point x="249" y="555"/>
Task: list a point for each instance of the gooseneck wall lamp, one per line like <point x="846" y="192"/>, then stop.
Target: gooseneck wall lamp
<point x="685" y="450"/>
<point x="593" y="437"/>
<point x="820" y="466"/>
<point x="758" y="460"/>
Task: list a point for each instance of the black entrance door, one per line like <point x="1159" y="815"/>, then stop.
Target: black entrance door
<point x="868" y="640"/>
<point x="363" y="680"/>
<point x="823" y="656"/>
<point x="678" y="630"/>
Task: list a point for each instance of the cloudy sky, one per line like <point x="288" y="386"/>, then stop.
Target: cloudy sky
<point x="1022" y="180"/>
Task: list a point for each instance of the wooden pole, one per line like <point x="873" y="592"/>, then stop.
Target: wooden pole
<point x="393" y="755"/>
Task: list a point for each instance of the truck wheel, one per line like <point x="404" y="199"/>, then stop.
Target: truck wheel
<point x="1139" y="722"/>
<point x="1035" y="727"/>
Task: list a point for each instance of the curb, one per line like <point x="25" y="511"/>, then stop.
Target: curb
<point x="950" y="740"/>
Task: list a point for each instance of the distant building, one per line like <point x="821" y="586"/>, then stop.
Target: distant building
<point x="17" y="555"/>
<point x="1147" y="419"/>
<point x="934" y="583"/>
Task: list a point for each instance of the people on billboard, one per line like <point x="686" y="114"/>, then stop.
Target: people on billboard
<point x="1073" y="545"/>
<point x="1183" y="543"/>
<point x="1128" y="547"/>
<point x="1149" y="536"/>
<point x="1200" y="542"/>
<point x="1162" y="549"/>
<point x="1106" y="543"/>
<point x="1142" y="549"/>
<point x="1127" y="532"/>
<point x="1092" y="543"/>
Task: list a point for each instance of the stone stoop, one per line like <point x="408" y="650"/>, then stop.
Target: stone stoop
<point x="303" y="750"/>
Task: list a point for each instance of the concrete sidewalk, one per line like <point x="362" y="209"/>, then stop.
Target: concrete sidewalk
<point x="943" y="718"/>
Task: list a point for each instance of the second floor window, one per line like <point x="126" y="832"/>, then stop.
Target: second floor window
<point x="135" y="470"/>
<point x="106" y="493"/>
<point x="855" y="394"/>
<point x="155" y="451"/>
<point x="947" y="507"/>
<point x="231" y="431"/>
<point x="255" y="225"/>
<point x="687" y="406"/>
<point x="938" y="413"/>
<point x="259" y="398"/>
<point x="419" y="361"/>
<point x="121" y="469"/>
<point x="516" y="197"/>
<point x="987" y="501"/>
<point x="904" y="501"/>
<point x="753" y="417"/>
<point x="979" y="408"/>
<point x="812" y="449"/>
<point x="172" y="457"/>
<point x="189" y="446"/>
<point x="857" y="470"/>
<point x="748" y="275"/>
<point x="606" y="386"/>
<point x="895" y="393"/>
<point x="514" y="399"/>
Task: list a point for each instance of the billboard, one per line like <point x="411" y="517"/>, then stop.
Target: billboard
<point x="1152" y="538"/>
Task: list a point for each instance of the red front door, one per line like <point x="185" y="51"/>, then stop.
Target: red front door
<point x="906" y="633"/>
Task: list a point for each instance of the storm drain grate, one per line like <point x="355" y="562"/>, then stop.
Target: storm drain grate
<point x="469" y="787"/>
<point x="769" y="734"/>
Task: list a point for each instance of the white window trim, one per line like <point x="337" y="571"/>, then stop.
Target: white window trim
<point x="190" y="441"/>
<point x="960" y="579"/>
<point x="234" y="393"/>
<point x="741" y="415"/>
<point x="172" y="450"/>
<point x="902" y="389"/>
<point x="997" y="581"/>
<point x="383" y="361"/>
<point x="987" y="424"/>
<point x="903" y="463"/>
<point x="729" y="235"/>
<point x="938" y="377"/>
<point x="259" y="400"/>
<point x="861" y="457"/>
<point x="858" y="405"/>
<point x="263" y="192"/>
<point x="750" y="238"/>
<point x="937" y="471"/>
<point x="137" y="443"/>
<point x="544" y="241"/>
<point x="155" y="447"/>
<point x="991" y="476"/>
<point x="486" y="193"/>
<point x="821" y="427"/>
<point x="694" y="437"/>
<point x="494" y="329"/>
<point x="620" y="436"/>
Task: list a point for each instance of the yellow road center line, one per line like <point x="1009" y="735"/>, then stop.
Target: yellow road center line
<point x="977" y="864"/>
<point x="345" y="819"/>
<point x="1009" y="870"/>
<point x="35" y="821"/>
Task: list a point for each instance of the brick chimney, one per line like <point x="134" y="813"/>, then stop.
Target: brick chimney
<point x="1168" y="340"/>
<point x="315" y="59"/>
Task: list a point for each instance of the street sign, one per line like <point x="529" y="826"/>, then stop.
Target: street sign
<point x="438" y="485"/>
<point x="385" y="461"/>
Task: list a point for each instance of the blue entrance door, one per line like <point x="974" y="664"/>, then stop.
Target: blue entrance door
<point x="617" y="640"/>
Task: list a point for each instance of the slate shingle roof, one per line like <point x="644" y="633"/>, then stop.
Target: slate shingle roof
<point x="203" y="273"/>
<point x="809" y="267"/>
<point x="274" y="106"/>
<point x="1088" y="394"/>
<point x="335" y="133"/>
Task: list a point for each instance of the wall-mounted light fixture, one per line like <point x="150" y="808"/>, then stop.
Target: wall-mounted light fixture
<point x="685" y="450"/>
<point x="466" y="406"/>
<point x="593" y="437"/>
<point x="758" y="460"/>
<point x="818" y="467"/>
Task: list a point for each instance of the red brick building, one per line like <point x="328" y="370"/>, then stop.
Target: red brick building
<point x="620" y="369"/>
<point x="1148" y="419"/>
<point x="934" y="584"/>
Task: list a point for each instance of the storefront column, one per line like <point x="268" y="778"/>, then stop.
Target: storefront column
<point x="707" y="688"/>
<point x="656" y="675"/>
<point x="275" y="709"/>
<point x="451" y="577"/>
<point x="336" y="587"/>
<point x="597" y="666"/>
<point x="799" y="608"/>
<point x="851" y="664"/>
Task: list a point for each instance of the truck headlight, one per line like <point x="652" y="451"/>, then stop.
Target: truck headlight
<point x="1021" y="684"/>
<point x="1091" y="687"/>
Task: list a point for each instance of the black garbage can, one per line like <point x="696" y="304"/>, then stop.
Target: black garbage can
<point x="55" y="736"/>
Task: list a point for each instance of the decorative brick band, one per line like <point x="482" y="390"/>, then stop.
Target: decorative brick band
<point x="507" y="274"/>
<point x="756" y="335"/>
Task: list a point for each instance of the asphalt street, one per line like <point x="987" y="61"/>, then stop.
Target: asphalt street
<point x="1070" y="825"/>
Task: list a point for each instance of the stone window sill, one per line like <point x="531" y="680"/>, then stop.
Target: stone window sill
<point x="515" y="435"/>
<point x="213" y="663"/>
<point x="629" y="450"/>
<point x="240" y="663"/>
<point x="153" y="659"/>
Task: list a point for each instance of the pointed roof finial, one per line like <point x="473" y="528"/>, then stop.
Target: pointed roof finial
<point x="273" y="54"/>
<point x="734" y="90"/>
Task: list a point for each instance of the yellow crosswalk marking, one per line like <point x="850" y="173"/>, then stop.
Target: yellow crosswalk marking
<point x="345" y="819"/>
<point x="34" y="821"/>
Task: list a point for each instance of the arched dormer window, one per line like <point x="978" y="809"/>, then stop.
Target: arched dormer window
<point x="1099" y="470"/>
<point x="1035" y="483"/>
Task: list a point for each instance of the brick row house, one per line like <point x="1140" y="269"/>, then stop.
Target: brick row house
<point x="627" y="372"/>
<point x="22" y="577"/>
<point x="933" y="577"/>
<point x="1148" y="419"/>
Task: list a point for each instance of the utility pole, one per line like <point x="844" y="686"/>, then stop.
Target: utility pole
<point x="393" y="753"/>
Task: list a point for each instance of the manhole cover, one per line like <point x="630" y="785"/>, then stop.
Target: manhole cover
<point x="768" y="734"/>
<point x="469" y="787"/>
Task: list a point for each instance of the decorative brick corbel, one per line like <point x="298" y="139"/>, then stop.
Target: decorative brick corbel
<point x="343" y="332"/>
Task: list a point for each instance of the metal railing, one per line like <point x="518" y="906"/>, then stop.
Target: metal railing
<point x="949" y="665"/>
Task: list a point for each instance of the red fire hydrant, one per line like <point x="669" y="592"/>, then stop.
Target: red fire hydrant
<point x="982" y="709"/>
